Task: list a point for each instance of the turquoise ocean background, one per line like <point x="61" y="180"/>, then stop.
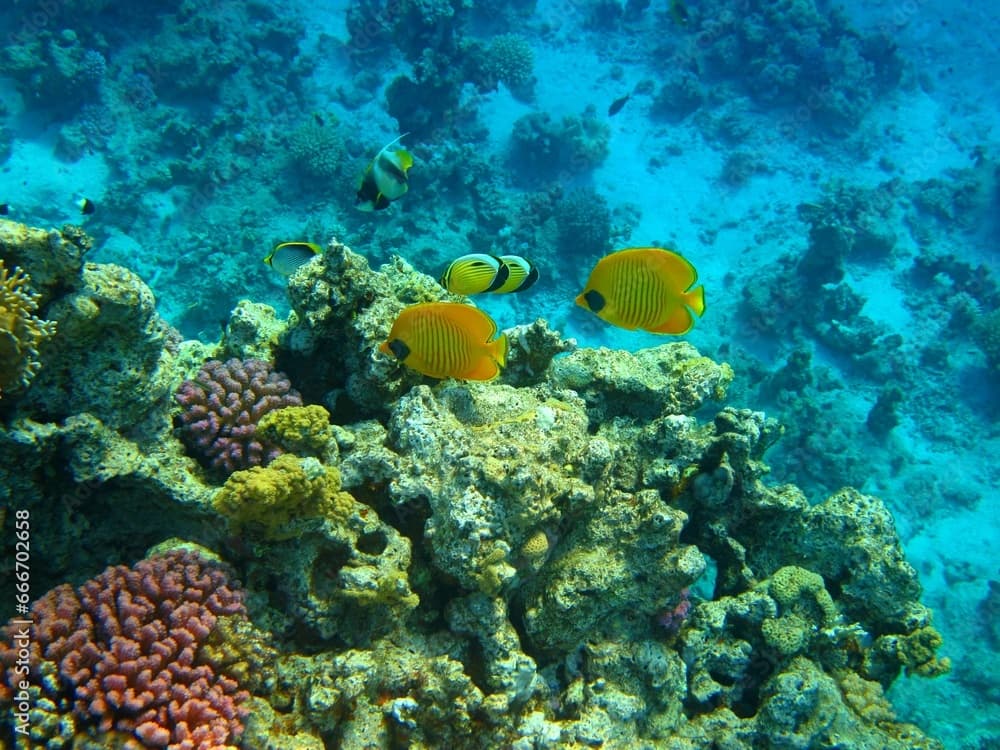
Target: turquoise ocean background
<point x="833" y="172"/>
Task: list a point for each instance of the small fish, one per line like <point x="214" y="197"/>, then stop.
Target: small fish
<point x="86" y="206"/>
<point x="288" y="256"/>
<point x="385" y="179"/>
<point x="447" y="340"/>
<point x="475" y="273"/>
<point x="644" y="287"/>
<point x="4" y="209"/>
<point x="523" y="274"/>
<point x="617" y="104"/>
<point x="679" y="12"/>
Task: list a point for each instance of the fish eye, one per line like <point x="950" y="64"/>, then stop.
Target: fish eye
<point x="595" y="300"/>
<point x="399" y="349"/>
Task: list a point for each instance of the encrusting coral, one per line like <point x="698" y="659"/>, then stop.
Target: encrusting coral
<point x="21" y="331"/>
<point x="288" y="488"/>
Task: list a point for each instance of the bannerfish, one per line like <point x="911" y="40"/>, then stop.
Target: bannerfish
<point x="385" y="179"/>
<point x="617" y="104"/>
<point x="447" y="340"/>
<point x="523" y="274"/>
<point x="475" y="273"/>
<point x="644" y="287"/>
<point x="86" y="206"/>
<point x="288" y="256"/>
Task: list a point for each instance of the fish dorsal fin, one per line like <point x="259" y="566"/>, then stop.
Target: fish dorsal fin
<point x="393" y="142"/>
<point x="475" y="321"/>
<point x="678" y="267"/>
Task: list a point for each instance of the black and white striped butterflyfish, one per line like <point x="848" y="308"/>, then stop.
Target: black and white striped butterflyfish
<point x="477" y="273"/>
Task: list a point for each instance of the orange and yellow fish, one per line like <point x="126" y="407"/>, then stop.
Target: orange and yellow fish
<point x="644" y="287"/>
<point x="447" y="340"/>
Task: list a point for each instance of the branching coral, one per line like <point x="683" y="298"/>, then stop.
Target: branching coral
<point x="21" y="331"/>
<point x="511" y="61"/>
<point x="317" y="151"/>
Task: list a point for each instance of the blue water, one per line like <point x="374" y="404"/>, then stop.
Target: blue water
<point x="204" y="139"/>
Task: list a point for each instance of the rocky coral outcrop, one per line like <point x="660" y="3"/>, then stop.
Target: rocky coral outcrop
<point x="483" y="565"/>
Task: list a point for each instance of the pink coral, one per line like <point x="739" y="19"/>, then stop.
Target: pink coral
<point x="221" y="409"/>
<point x="672" y="617"/>
<point x="125" y="647"/>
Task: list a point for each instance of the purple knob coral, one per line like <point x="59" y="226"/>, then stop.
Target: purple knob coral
<point x="221" y="409"/>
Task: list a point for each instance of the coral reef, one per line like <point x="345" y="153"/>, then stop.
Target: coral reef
<point x="222" y="406"/>
<point x="122" y="654"/>
<point x="577" y="554"/>
<point x="509" y="60"/>
<point x="21" y="331"/>
<point x="799" y="55"/>
<point x="544" y="149"/>
<point x="317" y="152"/>
<point x="54" y="72"/>
<point x="584" y="224"/>
<point x="986" y="334"/>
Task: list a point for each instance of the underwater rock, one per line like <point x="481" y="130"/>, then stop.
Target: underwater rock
<point x="111" y="353"/>
<point x="53" y="259"/>
<point x="532" y="347"/>
<point x="340" y="570"/>
<point x="610" y="573"/>
<point x="252" y="332"/>
<point x="493" y="463"/>
<point x="671" y="378"/>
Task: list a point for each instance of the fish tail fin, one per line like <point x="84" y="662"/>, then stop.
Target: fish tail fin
<point x="695" y="299"/>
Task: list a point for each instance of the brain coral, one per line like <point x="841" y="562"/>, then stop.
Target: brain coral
<point x="222" y="407"/>
<point x="121" y="654"/>
<point x="20" y="330"/>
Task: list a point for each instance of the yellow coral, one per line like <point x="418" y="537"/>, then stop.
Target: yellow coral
<point x="289" y="488"/>
<point x="800" y="591"/>
<point x="866" y="699"/>
<point x="235" y="646"/>
<point x="303" y="430"/>
<point x="21" y="331"/>
<point x="916" y="652"/>
<point x="788" y="634"/>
